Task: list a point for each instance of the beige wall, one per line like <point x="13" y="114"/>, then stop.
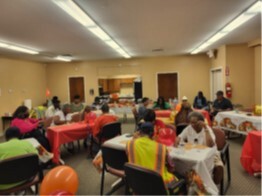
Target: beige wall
<point x="257" y="75"/>
<point x="240" y="60"/>
<point x="58" y="79"/>
<point x="20" y="80"/>
<point x="193" y="74"/>
<point x="220" y="62"/>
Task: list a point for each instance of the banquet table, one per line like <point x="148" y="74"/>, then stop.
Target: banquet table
<point x="58" y="135"/>
<point x="251" y="152"/>
<point x="201" y="159"/>
<point x="238" y="122"/>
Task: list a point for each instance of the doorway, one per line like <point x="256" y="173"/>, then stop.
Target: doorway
<point x="216" y="82"/>
<point x="76" y="87"/>
<point x="167" y="85"/>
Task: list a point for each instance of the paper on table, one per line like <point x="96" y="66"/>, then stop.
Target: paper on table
<point x="124" y="141"/>
<point x="43" y="154"/>
<point x="189" y="146"/>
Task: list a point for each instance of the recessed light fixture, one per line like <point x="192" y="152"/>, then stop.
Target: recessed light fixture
<point x="78" y="14"/>
<point x="17" y="48"/>
<point x="239" y="20"/>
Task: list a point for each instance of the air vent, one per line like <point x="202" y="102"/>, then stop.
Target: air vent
<point x="158" y="50"/>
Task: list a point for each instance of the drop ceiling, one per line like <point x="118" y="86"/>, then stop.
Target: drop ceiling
<point x="138" y="26"/>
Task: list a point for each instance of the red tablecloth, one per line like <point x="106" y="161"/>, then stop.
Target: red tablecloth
<point x="251" y="152"/>
<point x="62" y="134"/>
<point x="163" y="113"/>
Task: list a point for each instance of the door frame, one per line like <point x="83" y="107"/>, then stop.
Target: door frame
<point x="178" y="82"/>
<point x="211" y="79"/>
<point x="68" y="86"/>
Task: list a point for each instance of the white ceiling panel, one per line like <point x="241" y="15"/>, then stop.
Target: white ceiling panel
<point x="139" y="26"/>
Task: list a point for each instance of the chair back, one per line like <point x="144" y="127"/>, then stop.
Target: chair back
<point x="167" y="135"/>
<point x="180" y="128"/>
<point x="220" y="138"/>
<point x="19" y="168"/>
<point x="144" y="181"/>
<point x="114" y="158"/>
<point x="76" y="117"/>
<point x="110" y="131"/>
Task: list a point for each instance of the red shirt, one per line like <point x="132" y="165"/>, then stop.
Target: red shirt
<point x="101" y="121"/>
<point x="157" y="126"/>
<point x="90" y="117"/>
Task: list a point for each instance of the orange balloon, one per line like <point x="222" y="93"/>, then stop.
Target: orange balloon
<point x="60" y="178"/>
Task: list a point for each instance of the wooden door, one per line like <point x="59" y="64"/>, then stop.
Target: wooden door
<point x="76" y="87"/>
<point x="167" y="85"/>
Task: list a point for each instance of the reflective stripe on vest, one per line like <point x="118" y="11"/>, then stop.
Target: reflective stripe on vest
<point x="131" y="151"/>
<point x="160" y="158"/>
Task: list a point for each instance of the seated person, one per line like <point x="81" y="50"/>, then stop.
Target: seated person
<point x="62" y="116"/>
<point x="88" y="116"/>
<point x="181" y="118"/>
<point x="97" y="104"/>
<point x="197" y="131"/>
<point x="14" y="147"/>
<point x="102" y="120"/>
<point x="200" y="101"/>
<point x="221" y="104"/>
<point x="28" y="127"/>
<point x="76" y="106"/>
<point x="55" y="105"/>
<point x="142" y="108"/>
<point x="150" y="116"/>
<point x="143" y="151"/>
<point x="161" y="104"/>
<point x="179" y="105"/>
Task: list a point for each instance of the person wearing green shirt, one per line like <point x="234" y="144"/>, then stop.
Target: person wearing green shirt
<point x="14" y="147"/>
<point x="161" y="104"/>
<point x="76" y="106"/>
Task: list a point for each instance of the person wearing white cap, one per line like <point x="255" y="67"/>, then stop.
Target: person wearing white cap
<point x="184" y="102"/>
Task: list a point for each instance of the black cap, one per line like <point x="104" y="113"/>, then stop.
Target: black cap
<point x="12" y="132"/>
<point x="147" y="128"/>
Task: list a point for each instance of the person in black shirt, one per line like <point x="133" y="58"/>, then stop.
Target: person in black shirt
<point x="200" y="101"/>
<point x="221" y="104"/>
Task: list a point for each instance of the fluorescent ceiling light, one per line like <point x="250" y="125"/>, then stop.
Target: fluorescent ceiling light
<point x="17" y="48"/>
<point x="63" y="58"/>
<point x="75" y="11"/>
<point x="241" y="19"/>
<point x="237" y="22"/>
<point x="99" y="33"/>
<point x="78" y="14"/>
<point x="112" y="44"/>
<point x="255" y="8"/>
<point x="216" y="37"/>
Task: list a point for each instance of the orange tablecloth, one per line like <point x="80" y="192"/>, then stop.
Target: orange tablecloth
<point x="251" y="152"/>
<point x="62" y="134"/>
<point x="163" y="113"/>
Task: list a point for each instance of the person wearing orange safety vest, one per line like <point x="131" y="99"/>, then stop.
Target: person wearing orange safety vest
<point x="147" y="153"/>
